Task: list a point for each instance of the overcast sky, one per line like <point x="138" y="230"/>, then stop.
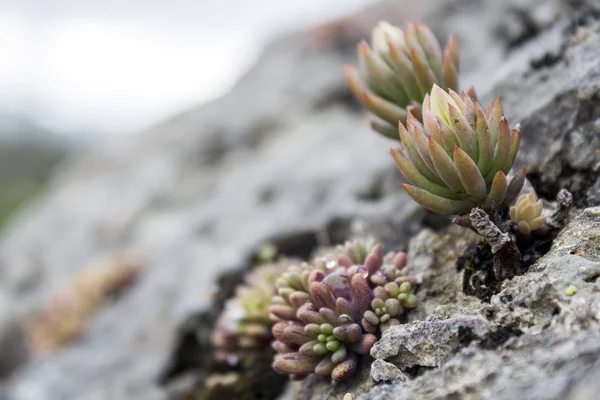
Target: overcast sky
<point x="117" y="66"/>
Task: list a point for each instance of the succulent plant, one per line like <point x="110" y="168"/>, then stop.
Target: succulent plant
<point x="459" y="157"/>
<point x="244" y="326"/>
<point x="527" y="213"/>
<point x="320" y="308"/>
<point x="66" y="315"/>
<point x="398" y="70"/>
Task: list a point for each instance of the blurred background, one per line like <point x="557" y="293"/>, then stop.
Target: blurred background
<point x="74" y="73"/>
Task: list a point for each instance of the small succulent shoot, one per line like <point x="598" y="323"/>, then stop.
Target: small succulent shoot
<point x="244" y="326"/>
<point x="526" y="214"/>
<point x="320" y="310"/>
<point x="458" y="158"/>
<point x="65" y="317"/>
<point x="398" y="70"/>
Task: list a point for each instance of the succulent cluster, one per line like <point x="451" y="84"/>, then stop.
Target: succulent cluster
<point x="526" y="214"/>
<point x="323" y="310"/>
<point x="244" y="328"/>
<point x="398" y="70"/>
<point x="66" y="315"/>
<point x="459" y="157"/>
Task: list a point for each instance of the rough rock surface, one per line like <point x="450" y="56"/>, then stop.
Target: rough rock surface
<point x="428" y="343"/>
<point x="382" y="371"/>
<point x="197" y="195"/>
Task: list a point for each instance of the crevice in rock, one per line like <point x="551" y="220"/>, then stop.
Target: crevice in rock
<point x="577" y="181"/>
<point x="499" y="335"/>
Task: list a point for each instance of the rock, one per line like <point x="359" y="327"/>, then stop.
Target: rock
<point x="428" y="343"/>
<point x="546" y="366"/>
<point x="537" y="300"/>
<point x="197" y="195"/>
<point x="382" y="371"/>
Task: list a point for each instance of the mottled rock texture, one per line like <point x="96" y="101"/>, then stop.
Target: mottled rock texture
<point x="288" y="157"/>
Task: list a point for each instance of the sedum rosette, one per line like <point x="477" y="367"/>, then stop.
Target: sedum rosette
<point x="398" y="70"/>
<point x="244" y="326"/>
<point x="459" y="157"/>
<point x="526" y="214"/>
<point x="320" y="311"/>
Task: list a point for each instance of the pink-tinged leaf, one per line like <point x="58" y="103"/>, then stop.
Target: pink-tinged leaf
<point x="339" y="355"/>
<point x="316" y="276"/>
<point x="514" y="215"/>
<point x="449" y="73"/>
<point x="309" y="315"/>
<point x="528" y="212"/>
<point x="419" y="140"/>
<point x="438" y="204"/>
<point x="329" y="315"/>
<point x="278" y="329"/>
<point x="463" y="132"/>
<point x="432" y="127"/>
<point x="432" y="49"/>
<point x="364" y="345"/>
<point x="444" y="165"/>
<point x="324" y="367"/>
<point x="384" y="109"/>
<point x="458" y="100"/>
<point x="414" y="157"/>
<point x="369" y="319"/>
<point x="308" y="348"/>
<point x="502" y="151"/>
<point x="469" y="175"/>
<point x="448" y="138"/>
<point x="537" y="223"/>
<point x="415" y="108"/>
<point x="345" y="261"/>
<point x="344" y="306"/>
<point x="297" y="299"/>
<point x="472" y="93"/>
<point x="524" y="228"/>
<point x="362" y="296"/>
<point x="295" y="335"/>
<point x="346" y="369"/>
<point x="353" y="79"/>
<point x="322" y="295"/>
<point x="485" y="141"/>
<point x="280" y="347"/>
<point x="340" y="332"/>
<point x="403" y="67"/>
<point x="427" y="101"/>
<point x="494" y="115"/>
<point x="422" y="70"/>
<point x="414" y="177"/>
<point x="453" y="51"/>
<point x="380" y="77"/>
<point x="295" y="363"/>
<point x="498" y="190"/>
<point x="283" y="312"/>
<point x="515" y="141"/>
<point x="385" y="129"/>
<point x="372" y="263"/>
<point x="313" y="330"/>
